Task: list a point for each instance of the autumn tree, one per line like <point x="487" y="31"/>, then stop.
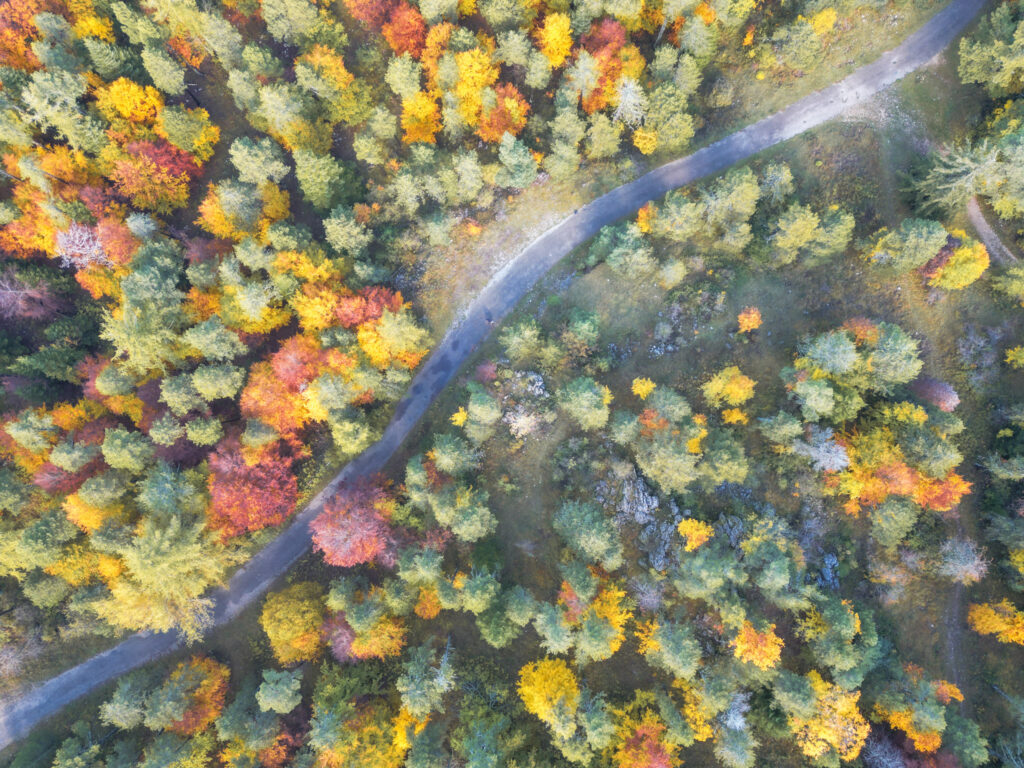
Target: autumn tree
<point x="586" y="402"/>
<point x="910" y="246"/>
<point x="354" y="527"/>
<point x="405" y="30"/>
<point x="554" y="38"/>
<point x="824" y="718"/>
<point x="190" y="698"/>
<point x="247" y="497"/>
<point x="292" y="619"/>
<point x="279" y="691"/>
<point x="586" y="530"/>
<point x="729" y="386"/>
<point x="1000" y="619"/>
<point x="761" y="648"/>
<point x="549" y="690"/>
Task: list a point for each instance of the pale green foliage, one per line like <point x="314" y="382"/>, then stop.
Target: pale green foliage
<point x="584" y="400"/>
<point x="588" y="532"/>
<point x="426" y="677"/>
<point x="258" y="161"/>
<point x="909" y="246"/>
<point x="279" y="692"/>
<point x="345" y="234"/>
<point x="131" y="451"/>
<point x="403" y="76"/>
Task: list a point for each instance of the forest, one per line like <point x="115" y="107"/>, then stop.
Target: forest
<point x="738" y="482"/>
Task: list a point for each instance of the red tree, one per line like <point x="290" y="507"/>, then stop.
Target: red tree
<point x="155" y="175"/>
<point x="606" y="36"/>
<point x="406" y="31"/>
<point x="353" y="528"/>
<point x="371" y="12"/>
<point x="368" y="304"/>
<point x="246" y="497"/>
<point x="298" y="361"/>
<point x="508" y="115"/>
<point x="117" y="240"/>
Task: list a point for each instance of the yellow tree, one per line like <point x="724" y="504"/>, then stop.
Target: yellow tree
<point x="837" y="722"/>
<point x="960" y="268"/>
<point x="729" y="386"/>
<point x="642" y="387"/>
<point x="554" y="38"/>
<point x="1000" y="619"/>
<point x="476" y="72"/>
<point x="762" y="649"/>
<point x="421" y="119"/>
<point x="292" y="619"/>
<point x="128" y="100"/>
<point x="549" y="690"/>
<point x="749" y="319"/>
<point x="694" y="532"/>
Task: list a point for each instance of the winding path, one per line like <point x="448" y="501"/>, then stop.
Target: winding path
<point x="996" y="248"/>
<point x="19" y="716"/>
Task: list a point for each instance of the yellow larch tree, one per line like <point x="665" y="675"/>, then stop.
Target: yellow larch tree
<point x="729" y="386"/>
<point x="421" y="119"/>
<point x="554" y="38"/>
<point x="762" y="649"/>
<point x="837" y="722"/>
<point x="547" y="686"/>
<point x="694" y="532"/>
<point x="1000" y="619"/>
<point x="642" y="387"/>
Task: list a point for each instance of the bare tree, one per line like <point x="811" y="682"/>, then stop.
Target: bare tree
<point x="79" y="246"/>
<point x="18" y="299"/>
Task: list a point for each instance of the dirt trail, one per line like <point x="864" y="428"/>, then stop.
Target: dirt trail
<point x="996" y="249"/>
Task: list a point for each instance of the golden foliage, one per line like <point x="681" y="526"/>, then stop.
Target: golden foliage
<point x="292" y="619"/>
<point x="546" y="686"/>
<point x="705" y="13"/>
<point x="127" y="99"/>
<point x="428" y="604"/>
<point x="86" y="516"/>
<point x="749" y="319"/>
<point x="729" y="386"/>
<point x="554" y="38"/>
<point x="642" y="387"/>
<point x="1000" y="619"/>
<point x="966" y="264"/>
<point x="903" y="720"/>
<point x="646" y="140"/>
<point x="837" y="722"/>
<point x="421" y="119"/>
<point x="476" y="72"/>
<point x="696" y="532"/>
<point x="824" y="20"/>
<point x="734" y="416"/>
<point x="385" y="638"/>
<point x="645" y="216"/>
<point x="762" y="649"/>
